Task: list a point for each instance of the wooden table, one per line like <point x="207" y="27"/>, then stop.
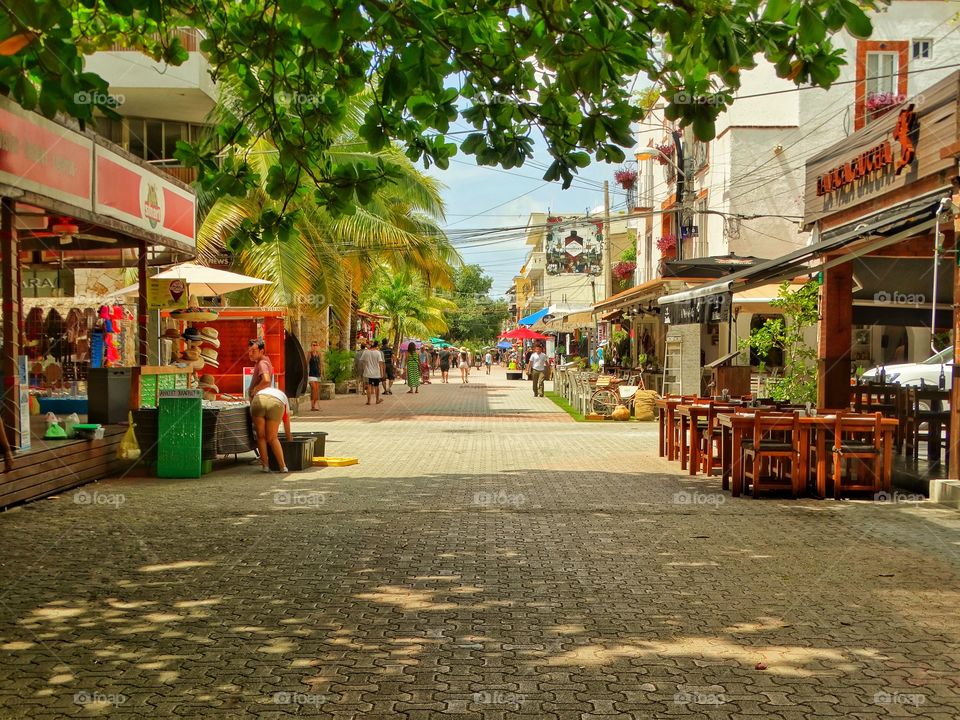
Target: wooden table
<point x="690" y="427"/>
<point x="736" y="426"/>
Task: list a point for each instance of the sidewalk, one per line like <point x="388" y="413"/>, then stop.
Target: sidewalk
<point x="488" y="558"/>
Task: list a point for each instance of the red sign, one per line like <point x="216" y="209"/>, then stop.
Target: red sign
<point x="878" y="159"/>
<point x="40" y="156"/>
<point x="141" y="197"/>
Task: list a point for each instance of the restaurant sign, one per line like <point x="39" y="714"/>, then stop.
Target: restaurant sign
<point x="698" y="310"/>
<point x="877" y="159"/>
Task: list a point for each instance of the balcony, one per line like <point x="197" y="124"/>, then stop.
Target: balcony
<point x="145" y="88"/>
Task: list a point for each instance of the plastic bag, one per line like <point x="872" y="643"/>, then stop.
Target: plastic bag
<point x="129" y="449"/>
<point x="34" y="405"/>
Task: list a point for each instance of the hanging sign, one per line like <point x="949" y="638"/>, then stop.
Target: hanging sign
<point x="166" y="294"/>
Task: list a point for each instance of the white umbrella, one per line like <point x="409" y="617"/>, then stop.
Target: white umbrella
<point x="203" y="281"/>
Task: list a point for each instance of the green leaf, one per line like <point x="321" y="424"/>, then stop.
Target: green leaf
<point x="857" y="21"/>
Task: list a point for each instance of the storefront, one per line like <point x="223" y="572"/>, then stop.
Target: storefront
<point x="879" y="207"/>
<point x="73" y="204"/>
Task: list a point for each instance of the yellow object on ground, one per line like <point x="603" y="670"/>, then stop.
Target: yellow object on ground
<point x="334" y="461"/>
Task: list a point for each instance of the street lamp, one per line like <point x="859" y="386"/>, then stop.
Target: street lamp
<point x="678" y="164"/>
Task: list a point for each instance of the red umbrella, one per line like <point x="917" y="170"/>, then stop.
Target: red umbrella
<point x="523" y="333"/>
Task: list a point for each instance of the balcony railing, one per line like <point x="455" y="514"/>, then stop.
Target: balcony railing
<point x="189" y="37"/>
<point x="183" y="174"/>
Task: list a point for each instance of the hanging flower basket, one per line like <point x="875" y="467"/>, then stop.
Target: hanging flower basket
<point x="626" y="177"/>
<point x="667" y="244"/>
<point x="879" y="103"/>
<point x="624" y="270"/>
<point x="666" y="149"/>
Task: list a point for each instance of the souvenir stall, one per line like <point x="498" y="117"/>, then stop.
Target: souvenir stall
<point x="73" y="203"/>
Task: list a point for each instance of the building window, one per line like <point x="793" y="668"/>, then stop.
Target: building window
<point x="882" y="73"/>
<point x="922" y="48"/>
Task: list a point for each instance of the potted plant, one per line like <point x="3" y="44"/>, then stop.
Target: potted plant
<point x="339" y="368"/>
<point x="880" y="103"/>
<point x="623" y="272"/>
<point x="667" y="245"/>
<point x="626" y="177"/>
<point x="666" y="149"/>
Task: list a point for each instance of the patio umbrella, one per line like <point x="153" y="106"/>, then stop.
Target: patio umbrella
<point x="203" y="281"/>
<point x="523" y="333"/>
<point x="504" y="344"/>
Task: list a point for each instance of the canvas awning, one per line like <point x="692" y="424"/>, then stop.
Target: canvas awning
<point x="534" y="317"/>
<point x="881" y="230"/>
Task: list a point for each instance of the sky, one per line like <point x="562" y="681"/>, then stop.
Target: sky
<point x="490" y="197"/>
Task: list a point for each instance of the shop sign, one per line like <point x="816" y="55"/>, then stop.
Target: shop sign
<point x="166" y="294"/>
<point x="141" y="197"/>
<point x="878" y="159"/>
<point x="574" y="246"/>
<point x="697" y="311"/>
<point x="45" y="158"/>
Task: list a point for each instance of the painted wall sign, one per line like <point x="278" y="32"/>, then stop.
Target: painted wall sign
<point x="43" y="157"/>
<point x="137" y="195"/>
<point x="574" y="246"/>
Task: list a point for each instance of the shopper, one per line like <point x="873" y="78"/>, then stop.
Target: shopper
<point x="425" y="365"/>
<point x="445" y="366"/>
<point x="262" y="368"/>
<point x="413" y="369"/>
<point x="267" y="408"/>
<point x="536" y="366"/>
<point x="464" y="366"/>
<point x="488" y="361"/>
<point x="388" y="367"/>
<point x="371" y="365"/>
<point x="313" y="375"/>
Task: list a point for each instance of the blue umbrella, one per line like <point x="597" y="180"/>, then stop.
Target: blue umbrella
<point x="503" y="345"/>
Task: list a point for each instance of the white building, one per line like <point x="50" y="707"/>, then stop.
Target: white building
<point x="745" y="188"/>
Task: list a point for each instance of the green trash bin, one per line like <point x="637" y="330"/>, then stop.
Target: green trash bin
<point x="179" y="434"/>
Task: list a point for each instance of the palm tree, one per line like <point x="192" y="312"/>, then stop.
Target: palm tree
<point x="328" y="259"/>
<point x="410" y="309"/>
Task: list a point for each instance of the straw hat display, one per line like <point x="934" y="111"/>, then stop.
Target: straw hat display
<point x="208" y="384"/>
<point x="192" y="335"/>
<point x="210" y="336"/>
<point x="171" y="334"/>
<point x="209" y="356"/>
<point x="192" y="354"/>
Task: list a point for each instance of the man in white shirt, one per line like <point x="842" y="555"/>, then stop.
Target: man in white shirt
<point x="536" y="366"/>
<point x="371" y="365"/>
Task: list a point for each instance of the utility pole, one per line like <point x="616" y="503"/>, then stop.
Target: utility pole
<point x="681" y="189"/>
<point x="607" y="284"/>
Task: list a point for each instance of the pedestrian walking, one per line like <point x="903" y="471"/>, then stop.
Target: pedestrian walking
<point x="371" y="364"/>
<point x="357" y="369"/>
<point x="268" y="408"/>
<point x="445" y="366"/>
<point x="313" y="375"/>
<point x="388" y="366"/>
<point x="424" y="365"/>
<point x="413" y="369"/>
<point x="536" y="366"/>
<point x="488" y="361"/>
<point x="464" y="366"/>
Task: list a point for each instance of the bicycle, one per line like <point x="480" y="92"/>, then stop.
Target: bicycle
<point x="612" y="391"/>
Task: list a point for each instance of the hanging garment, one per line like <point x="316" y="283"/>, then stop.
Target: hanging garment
<point x="55" y="330"/>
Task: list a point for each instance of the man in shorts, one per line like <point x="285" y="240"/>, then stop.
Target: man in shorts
<point x="387" y="353"/>
<point x="371" y="365"/>
<point x="488" y="361"/>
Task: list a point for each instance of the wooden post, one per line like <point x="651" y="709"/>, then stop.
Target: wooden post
<point x="143" y="341"/>
<point x="836" y="328"/>
<point x="953" y="435"/>
<point x="9" y="360"/>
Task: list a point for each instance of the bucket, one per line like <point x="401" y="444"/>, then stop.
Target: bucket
<point x="320" y="441"/>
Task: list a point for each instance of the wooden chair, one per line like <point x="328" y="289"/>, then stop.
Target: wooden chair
<point x="924" y="409"/>
<point x="710" y="439"/>
<point x="859" y="439"/>
<point x="771" y="450"/>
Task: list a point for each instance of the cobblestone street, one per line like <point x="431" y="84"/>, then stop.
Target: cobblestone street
<point x="488" y="558"/>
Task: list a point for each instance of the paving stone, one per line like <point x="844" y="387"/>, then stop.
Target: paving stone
<point x="488" y="558"/>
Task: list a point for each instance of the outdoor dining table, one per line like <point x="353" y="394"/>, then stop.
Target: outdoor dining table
<point x="737" y="426"/>
<point x="690" y="427"/>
